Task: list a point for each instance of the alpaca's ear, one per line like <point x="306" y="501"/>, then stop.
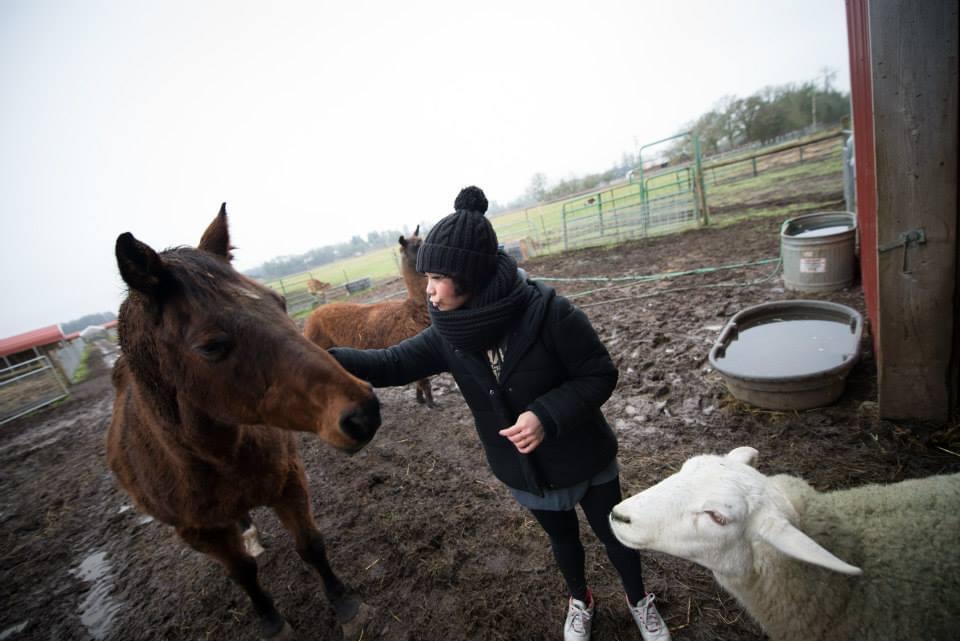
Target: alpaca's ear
<point x="403" y="241"/>
<point x="416" y="232"/>
<point x="141" y="267"/>
<point x="216" y="239"/>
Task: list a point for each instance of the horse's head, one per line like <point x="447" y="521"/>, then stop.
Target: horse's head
<point x="208" y="343"/>
<point x="409" y="246"/>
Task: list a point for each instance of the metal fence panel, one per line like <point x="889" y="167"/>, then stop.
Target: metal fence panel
<point x="28" y="386"/>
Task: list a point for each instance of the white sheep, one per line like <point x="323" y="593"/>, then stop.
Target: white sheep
<point x="766" y="539"/>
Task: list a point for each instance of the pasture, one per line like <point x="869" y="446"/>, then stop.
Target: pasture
<point x="780" y="179"/>
<point x="415" y="522"/>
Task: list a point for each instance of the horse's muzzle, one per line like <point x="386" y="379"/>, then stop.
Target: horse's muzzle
<point x="361" y="422"/>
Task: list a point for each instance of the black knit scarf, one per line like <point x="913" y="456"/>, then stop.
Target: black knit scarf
<point x="483" y="321"/>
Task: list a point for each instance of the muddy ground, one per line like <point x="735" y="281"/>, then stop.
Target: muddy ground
<point x="415" y="521"/>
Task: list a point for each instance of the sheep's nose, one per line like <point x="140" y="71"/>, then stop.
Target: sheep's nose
<point x="619" y="518"/>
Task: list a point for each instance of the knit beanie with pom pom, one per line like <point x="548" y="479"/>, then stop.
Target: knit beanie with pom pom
<point x="462" y="244"/>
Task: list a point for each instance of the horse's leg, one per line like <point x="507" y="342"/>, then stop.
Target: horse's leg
<point x="294" y="512"/>
<point x="226" y="546"/>
<point x="424" y="393"/>
<point x="251" y="536"/>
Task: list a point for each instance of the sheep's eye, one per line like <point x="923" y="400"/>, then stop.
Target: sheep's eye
<point x="718" y="518"/>
<point x="214" y="349"/>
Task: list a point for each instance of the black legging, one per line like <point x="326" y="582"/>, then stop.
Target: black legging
<point x="563" y="529"/>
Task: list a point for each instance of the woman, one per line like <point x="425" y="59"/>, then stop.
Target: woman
<point x="534" y="373"/>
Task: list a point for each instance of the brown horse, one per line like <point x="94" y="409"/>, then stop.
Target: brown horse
<point x="213" y="381"/>
<point x="379" y="325"/>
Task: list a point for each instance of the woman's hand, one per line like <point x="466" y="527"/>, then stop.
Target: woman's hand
<point x="526" y="434"/>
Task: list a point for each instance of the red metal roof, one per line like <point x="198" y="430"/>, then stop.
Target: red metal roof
<point x="31" y="339"/>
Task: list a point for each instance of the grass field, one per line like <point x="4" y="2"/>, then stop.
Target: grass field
<point x="778" y="180"/>
<point x="376" y="265"/>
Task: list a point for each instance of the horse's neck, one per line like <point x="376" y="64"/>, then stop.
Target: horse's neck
<point x="181" y="427"/>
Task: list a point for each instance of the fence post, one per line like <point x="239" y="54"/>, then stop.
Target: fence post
<point x="282" y="288"/>
<point x="754" y="161"/>
<point x="600" y="212"/>
<point x="700" y="192"/>
<point x="563" y="213"/>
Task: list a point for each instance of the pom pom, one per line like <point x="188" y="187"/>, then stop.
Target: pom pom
<point x="471" y="199"/>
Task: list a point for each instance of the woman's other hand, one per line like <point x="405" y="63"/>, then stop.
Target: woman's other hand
<point x="526" y="434"/>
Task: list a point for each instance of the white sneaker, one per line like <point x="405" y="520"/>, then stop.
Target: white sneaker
<point x="579" y="617"/>
<point x="645" y="615"/>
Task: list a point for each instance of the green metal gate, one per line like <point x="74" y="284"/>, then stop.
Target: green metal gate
<point x="665" y="199"/>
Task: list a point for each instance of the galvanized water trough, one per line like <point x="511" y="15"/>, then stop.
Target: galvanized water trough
<point x="818" y="251"/>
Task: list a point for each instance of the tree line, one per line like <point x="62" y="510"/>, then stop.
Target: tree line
<point x="84" y="322"/>
<point x="296" y="263"/>
<point x="733" y="122"/>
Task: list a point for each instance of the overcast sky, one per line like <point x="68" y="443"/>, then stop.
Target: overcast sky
<point x="319" y="120"/>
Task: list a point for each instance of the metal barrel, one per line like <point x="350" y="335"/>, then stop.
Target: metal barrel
<point x="818" y="251"/>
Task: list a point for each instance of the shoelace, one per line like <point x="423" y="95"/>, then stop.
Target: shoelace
<point x="649" y="614"/>
<point x="579" y="619"/>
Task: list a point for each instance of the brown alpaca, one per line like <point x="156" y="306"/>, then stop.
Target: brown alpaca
<point x="213" y="381"/>
<point x="315" y="286"/>
<point x="378" y="325"/>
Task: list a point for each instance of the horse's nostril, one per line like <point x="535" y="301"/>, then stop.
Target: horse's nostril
<point x="619" y="518"/>
<point x="361" y="422"/>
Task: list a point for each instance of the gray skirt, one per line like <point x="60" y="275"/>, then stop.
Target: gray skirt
<point x="566" y="498"/>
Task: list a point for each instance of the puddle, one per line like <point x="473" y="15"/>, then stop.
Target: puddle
<point x="97" y="610"/>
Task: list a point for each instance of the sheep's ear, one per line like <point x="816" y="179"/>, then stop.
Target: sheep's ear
<point x="216" y="239"/>
<point x="403" y="241"/>
<point x="779" y="533"/>
<point x="141" y="268"/>
<point x="745" y="455"/>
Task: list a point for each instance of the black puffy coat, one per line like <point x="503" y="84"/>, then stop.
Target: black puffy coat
<point x="554" y="366"/>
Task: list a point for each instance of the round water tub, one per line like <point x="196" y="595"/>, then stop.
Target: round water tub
<point x="788" y="355"/>
<point x="818" y="251"/>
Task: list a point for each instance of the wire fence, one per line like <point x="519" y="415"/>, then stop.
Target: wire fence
<point x="796" y="171"/>
<point x="28" y="386"/>
<point x="805" y="169"/>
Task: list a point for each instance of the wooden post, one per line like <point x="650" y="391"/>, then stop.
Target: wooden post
<point x="914" y="52"/>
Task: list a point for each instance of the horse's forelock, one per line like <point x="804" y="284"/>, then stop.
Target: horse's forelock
<point x="201" y="276"/>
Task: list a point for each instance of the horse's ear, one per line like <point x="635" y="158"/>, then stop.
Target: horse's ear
<point x="216" y="239"/>
<point x="403" y="241"/>
<point x="416" y="232"/>
<point x="141" y="267"/>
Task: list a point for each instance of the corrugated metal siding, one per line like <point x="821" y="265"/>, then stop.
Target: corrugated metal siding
<point x="861" y="95"/>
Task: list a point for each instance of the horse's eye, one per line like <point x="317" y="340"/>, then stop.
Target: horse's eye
<point x="214" y="349"/>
